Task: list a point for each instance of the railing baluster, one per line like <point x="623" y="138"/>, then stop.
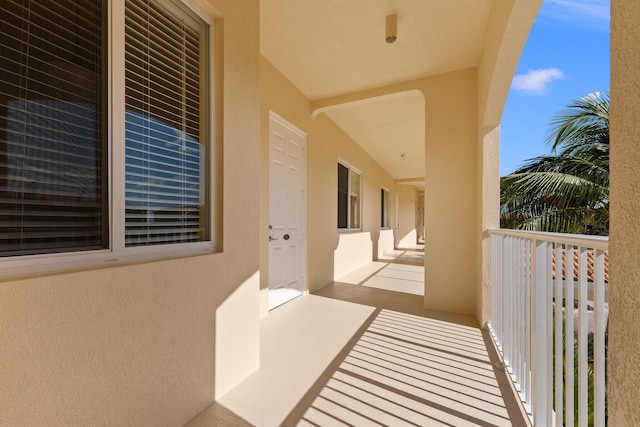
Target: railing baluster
<point x="508" y="308"/>
<point x="541" y="355"/>
<point x="520" y="302"/>
<point x="598" y="339"/>
<point x="569" y="336"/>
<point x="558" y="378"/>
<point x="528" y="321"/>
<point x="540" y="410"/>
<point x="583" y="387"/>
<point x="549" y="335"/>
<point x="501" y="294"/>
<point x="501" y="302"/>
<point x="516" y="317"/>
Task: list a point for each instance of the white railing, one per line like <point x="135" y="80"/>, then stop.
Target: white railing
<point x="537" y="279"/>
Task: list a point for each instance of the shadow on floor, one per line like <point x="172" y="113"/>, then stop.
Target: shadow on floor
<point x="409" y="256"/>
<point x="408" y="367"/>
<point x="217" y="415"/>
<point x="354" y="356"/>
<point x="391" y="276"/>
<point x="399" y="271"/>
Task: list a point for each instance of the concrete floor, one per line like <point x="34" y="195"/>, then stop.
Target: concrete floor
<point x="356" y="355"/>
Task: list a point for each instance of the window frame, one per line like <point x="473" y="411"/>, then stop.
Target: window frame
<point x="384" y="209"/>
<point x="351" y="170"/>
<point x="114" y="146"/>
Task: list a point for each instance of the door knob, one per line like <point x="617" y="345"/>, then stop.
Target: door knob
<point x="286" y="237"/>
<point x="271" y="238"/>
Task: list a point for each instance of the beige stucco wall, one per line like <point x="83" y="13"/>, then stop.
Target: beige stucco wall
<point x="463" y="107"/>
<point x="386" y="241"/>
<point x="451" y="192"/>
<point x="407" y="195"/>
<point x="508" y="29"/>
<point x="452" y="185"/>
<point x="327" y="143"/>
<point x="624" y="240"/>
<point x="353" y="251"/>
<point x="148" y="344"/>
<point x="488" y="216"/>
<point x="278" y="95"/>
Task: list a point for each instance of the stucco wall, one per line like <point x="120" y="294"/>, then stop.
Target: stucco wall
<point x="495" y="72"/>
<point x="452" y="186"/>
<point x="327" y="144"/>
<point x="507" y="32"/>
<point x="488" y="216"/>
<point x="148" y="344"/>
<point x="279" y="95"/>
<point x="353" y="251"/>
<point x="624" y="240"/>
<point x="407" y="235"/>
<point x="451" y="192"/>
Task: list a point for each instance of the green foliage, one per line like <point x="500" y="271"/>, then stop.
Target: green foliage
<point x="570" y="344"/>
<point x="568" y="190"/>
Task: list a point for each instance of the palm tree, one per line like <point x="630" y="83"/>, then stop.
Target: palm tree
<point x="566" y="191"/>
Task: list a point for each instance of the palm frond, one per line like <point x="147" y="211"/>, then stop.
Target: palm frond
<point x="586" y="119"/>
<point x="567" y="191"/>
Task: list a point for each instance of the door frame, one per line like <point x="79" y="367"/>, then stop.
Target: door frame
<point x="397" y="224"/>
<point x="273" y="116"/>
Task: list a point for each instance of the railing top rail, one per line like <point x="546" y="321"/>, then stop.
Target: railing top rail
<point x="583" y="240"/>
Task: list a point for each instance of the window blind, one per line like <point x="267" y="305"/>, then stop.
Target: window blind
<point x="343" y="196"/>
<point x="165" y="148"/>
<point x="384" y="211"/>
<point x="51" y="127"/>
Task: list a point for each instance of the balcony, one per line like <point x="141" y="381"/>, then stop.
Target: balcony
<point x="355" y="354"/>
<point x="558" y="366"/>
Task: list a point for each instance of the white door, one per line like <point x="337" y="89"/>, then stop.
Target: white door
<point x="287" y="211"/>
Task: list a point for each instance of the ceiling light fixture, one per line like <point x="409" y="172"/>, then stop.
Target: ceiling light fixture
<point x="403" y="156"/>
<point x="391" y="28"/>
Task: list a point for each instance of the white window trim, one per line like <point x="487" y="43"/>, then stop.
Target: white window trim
<point x="117" y="253"/>
<point x="357" y="171"/>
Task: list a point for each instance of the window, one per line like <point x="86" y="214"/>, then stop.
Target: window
<point x="58" y="191"/>
<point x="51" y="128"/>
<point x="165" y="176"/>
<point x="348" y="198"/>
<point x="384" y="208"/>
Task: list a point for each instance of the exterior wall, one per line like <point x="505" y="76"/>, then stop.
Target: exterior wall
<point x="488" y="216"/>
<point x="507" y="33"/>
<point x="407" y="235"/>
<point x="353" y="252"/>
<point x="624" y="241"/>
<point x="148" y="344"/>
<point x="452" y="186"/>
<point x="386" y="242"/>
<point x="327" y="143"/>
<point x="279" y="95"/>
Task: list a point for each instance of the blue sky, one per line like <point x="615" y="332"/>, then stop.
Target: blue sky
<point x="566" y="57"/>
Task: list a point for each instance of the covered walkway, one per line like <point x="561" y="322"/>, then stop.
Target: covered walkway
<point x="353" y="354"/>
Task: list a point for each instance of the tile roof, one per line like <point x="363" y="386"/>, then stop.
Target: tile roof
<point x="576" y="263"/>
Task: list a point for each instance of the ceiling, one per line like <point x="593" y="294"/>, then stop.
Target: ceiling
<point x="390" y="129"/>
<point x="333" y="47"/>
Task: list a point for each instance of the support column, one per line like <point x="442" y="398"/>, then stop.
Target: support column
<point x="451" y="192"/>
<point x="488" y="215"/>
<point x="624" y="242"/>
